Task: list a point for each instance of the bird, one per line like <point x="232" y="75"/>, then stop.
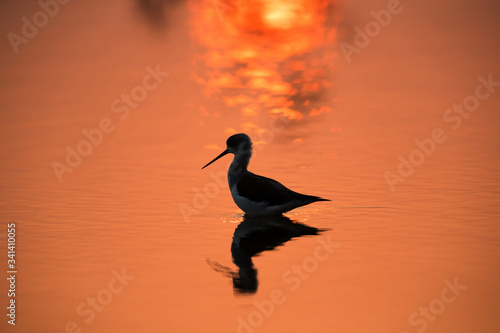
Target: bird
<point x="256" y="195"/>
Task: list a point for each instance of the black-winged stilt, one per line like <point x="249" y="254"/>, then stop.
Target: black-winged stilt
<point x="257" y="195"/>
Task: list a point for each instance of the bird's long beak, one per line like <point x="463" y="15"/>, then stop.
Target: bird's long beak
<point x="215" y="159"/>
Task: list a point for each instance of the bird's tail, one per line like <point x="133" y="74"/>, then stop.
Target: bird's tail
<point x="315" y="198"/>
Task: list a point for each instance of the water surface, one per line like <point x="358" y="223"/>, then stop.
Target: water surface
<point x="139" y="207"/>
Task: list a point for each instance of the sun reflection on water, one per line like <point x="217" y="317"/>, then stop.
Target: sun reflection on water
<point x="269" y="58"/>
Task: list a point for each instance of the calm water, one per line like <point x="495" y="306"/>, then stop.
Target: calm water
<point x="134" y="237"/>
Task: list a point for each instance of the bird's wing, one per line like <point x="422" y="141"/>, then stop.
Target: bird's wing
<point x="262" y="189"/>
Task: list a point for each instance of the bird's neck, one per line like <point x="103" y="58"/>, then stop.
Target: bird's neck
<point x="240" y="163"/>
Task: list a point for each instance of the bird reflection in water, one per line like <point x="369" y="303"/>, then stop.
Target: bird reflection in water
<point x="253" y="236"/>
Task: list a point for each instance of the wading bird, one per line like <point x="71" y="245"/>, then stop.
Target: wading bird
<point x="257" y="195"/>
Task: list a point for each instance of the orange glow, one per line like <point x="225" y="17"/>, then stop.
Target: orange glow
<point x="288" y="113"/>
<point x="323" y="109"/>
<point x="230" y="131"/>
<point x="280" y="14"/>
<point x="336" y="129"/>
<point x="265" y="56"/>
<point x="212" y="147"/>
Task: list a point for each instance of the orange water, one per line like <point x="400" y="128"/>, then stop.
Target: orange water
<point x="139" y="203"/>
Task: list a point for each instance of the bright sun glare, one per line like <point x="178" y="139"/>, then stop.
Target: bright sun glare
<point x="280" y="14"/>
<point x="266" y="57"/>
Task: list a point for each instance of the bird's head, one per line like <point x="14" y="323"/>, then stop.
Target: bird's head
<point x="237" y="143"/>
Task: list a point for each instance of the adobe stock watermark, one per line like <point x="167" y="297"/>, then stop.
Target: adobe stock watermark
<point x="372" y="29"/>
<point x="427" y="314"/>
<point x="95" y="136"/>
<point x="31" y="26"/>
<point x="88" y="310"/>
<point x="201" y="197"/>
<point x="453" y="116"/>
<point x="293" y="278"/>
